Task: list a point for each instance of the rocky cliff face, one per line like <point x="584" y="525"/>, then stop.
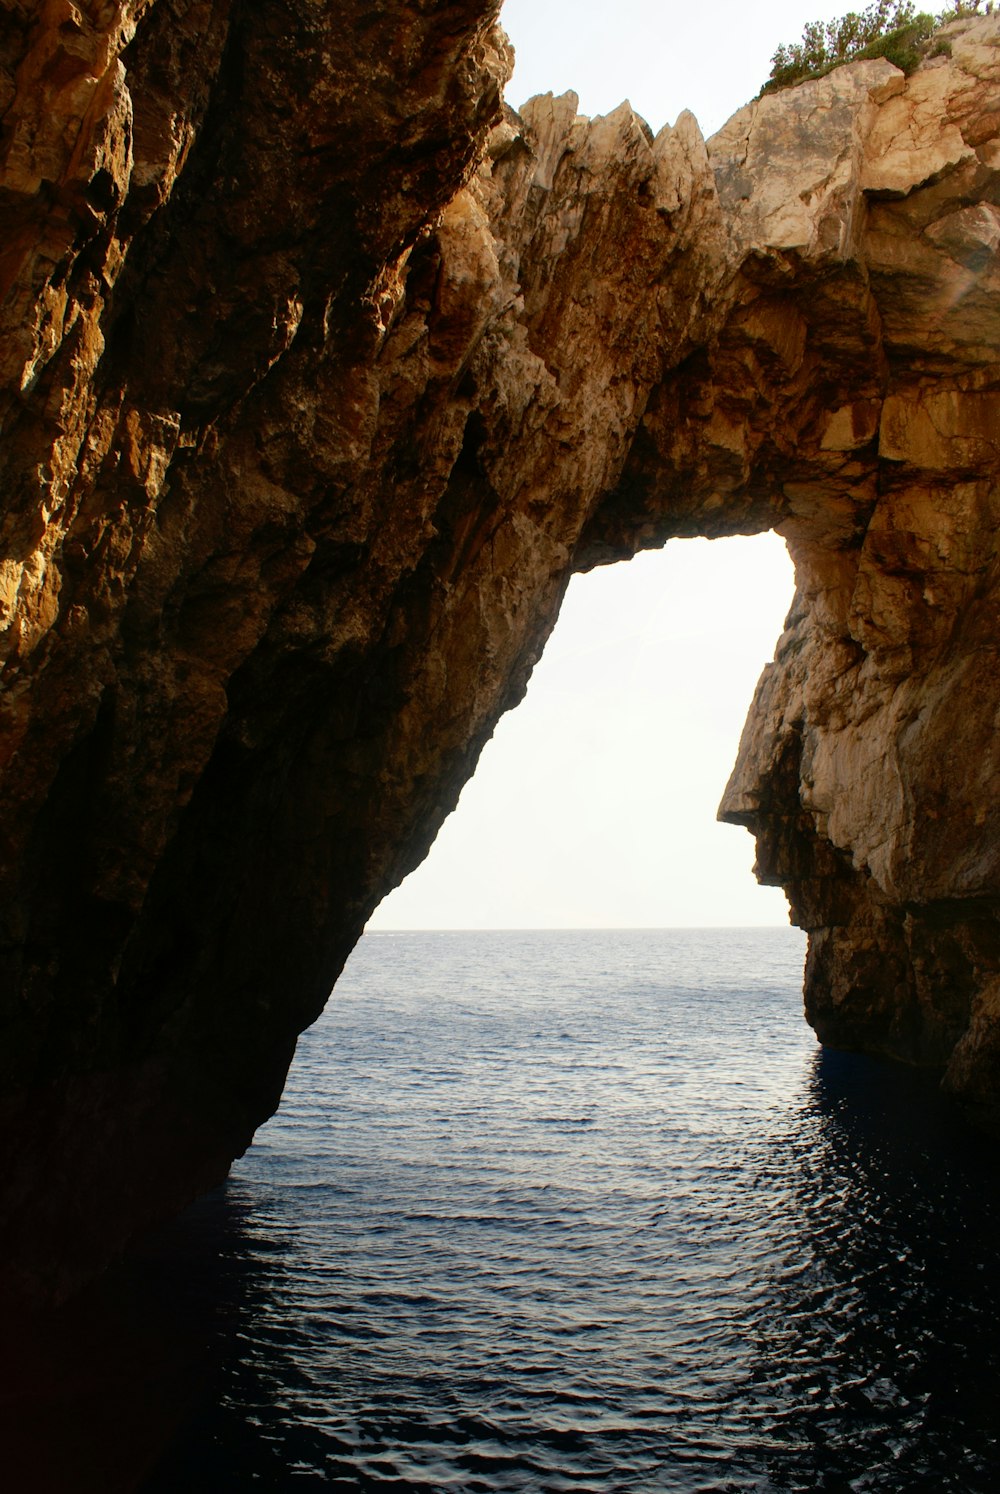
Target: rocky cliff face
<point x="320" y="375"/>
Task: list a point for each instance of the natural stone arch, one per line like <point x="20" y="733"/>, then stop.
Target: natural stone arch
<point x="321" y="379"/>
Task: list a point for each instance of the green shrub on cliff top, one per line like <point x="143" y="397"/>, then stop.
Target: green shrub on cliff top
<point x="888" y="28"/>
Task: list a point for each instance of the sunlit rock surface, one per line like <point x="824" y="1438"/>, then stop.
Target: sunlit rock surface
<point x="320" y="375"/>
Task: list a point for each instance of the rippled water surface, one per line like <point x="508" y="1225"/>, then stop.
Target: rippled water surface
<point x="572" y="1212"/>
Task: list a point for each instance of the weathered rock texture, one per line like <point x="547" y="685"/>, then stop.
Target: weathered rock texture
<point x="320" y="375"/>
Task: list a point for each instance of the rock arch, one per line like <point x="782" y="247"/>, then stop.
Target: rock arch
<point x="321" y="375"/>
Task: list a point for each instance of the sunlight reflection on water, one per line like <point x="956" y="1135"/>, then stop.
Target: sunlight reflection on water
<point x="584" y="1212"/>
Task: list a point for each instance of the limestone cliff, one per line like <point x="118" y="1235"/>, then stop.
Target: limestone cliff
<point x="320" y="375"/>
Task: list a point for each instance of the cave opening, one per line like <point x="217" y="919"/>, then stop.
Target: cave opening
<point x="594" y="805"/>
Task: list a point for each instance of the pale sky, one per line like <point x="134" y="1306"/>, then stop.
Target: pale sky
<point x="594" y="804"/>
<point x="662" y="56"/>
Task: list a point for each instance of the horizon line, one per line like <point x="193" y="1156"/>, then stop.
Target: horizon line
<point x="637" y="928"/>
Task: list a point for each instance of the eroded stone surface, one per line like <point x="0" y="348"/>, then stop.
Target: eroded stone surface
<point x="321" y="374"/>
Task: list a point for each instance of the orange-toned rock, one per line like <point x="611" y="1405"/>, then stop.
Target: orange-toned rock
<point x="321" y="374"/>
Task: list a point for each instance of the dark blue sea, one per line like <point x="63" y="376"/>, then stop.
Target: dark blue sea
<point x="553" y="1212"/>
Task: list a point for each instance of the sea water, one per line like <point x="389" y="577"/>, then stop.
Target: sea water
<point x="565" y="1211"/>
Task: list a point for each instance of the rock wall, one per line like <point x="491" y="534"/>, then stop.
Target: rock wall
<point x="321" y="373"/>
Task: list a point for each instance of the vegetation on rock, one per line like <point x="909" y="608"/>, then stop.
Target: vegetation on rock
<point x="887" y="28"/>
